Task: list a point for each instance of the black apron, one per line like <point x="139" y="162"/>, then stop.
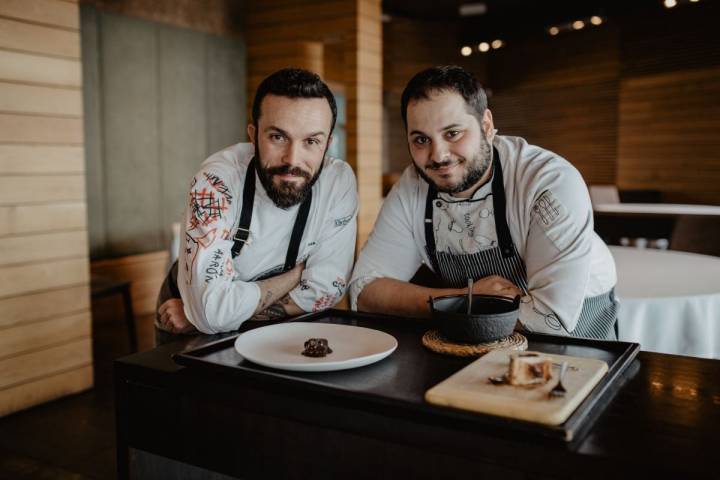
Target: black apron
<point x="169" y="288"/>
<point x="598" y="318"/>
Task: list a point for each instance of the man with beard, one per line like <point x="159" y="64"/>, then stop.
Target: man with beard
<point x="513" y="217"/>
<point x="270" y="225"/>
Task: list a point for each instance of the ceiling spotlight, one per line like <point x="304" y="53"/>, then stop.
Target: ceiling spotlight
<point x="465" y="51"/>
<point x="578" y="25"/>
<point x="595" y="20"/>
<point x="553" y="30"/>
<point x="497" y="44"/>
<point x="669" y="3"/>
<point x="694" y="1"/>
<point x="484" y="47"/>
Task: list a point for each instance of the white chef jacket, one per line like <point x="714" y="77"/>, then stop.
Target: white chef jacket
<point x="219" y="292"/>
<point x="550" y="219"/>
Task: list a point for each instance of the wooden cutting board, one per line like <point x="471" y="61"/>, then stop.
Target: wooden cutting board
<point x="470" y="389"/>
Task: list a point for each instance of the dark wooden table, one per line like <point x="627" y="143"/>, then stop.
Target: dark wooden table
<point x="664" y="422"/>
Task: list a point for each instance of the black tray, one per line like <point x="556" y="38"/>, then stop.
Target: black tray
<point x="397" y="384"/>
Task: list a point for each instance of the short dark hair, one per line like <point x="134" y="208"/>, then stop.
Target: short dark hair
<point x="445" y="78"/>
<point x="293" y="83"/>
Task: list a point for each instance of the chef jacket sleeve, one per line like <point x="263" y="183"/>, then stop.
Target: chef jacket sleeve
<point x="558" y="254"/>
<point x="390" y="251"/>
<point x="327" y="268"/>
<point x="213" y="301"/>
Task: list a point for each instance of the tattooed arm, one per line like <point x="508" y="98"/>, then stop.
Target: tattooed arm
<point x="274" y="299"/>
<point x="285" y="307"/>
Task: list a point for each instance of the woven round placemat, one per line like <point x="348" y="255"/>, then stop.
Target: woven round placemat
<point x="439" y="344"/>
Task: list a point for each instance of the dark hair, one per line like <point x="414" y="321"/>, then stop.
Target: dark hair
<point x="445" y="78"/>
<point x="293" y="83"/>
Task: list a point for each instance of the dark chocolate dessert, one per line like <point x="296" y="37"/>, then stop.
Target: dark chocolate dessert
<point x="316" y="347"/>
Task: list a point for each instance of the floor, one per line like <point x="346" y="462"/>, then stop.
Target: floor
<point x="74" y="438"/>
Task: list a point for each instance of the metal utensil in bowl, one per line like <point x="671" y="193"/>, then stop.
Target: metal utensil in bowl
<point x="470" y="286"/>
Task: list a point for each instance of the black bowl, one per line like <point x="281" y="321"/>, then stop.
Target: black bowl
<point x="492" y="317"/>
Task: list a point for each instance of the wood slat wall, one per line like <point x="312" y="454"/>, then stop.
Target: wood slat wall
<point x="408" y="49"/>
<point x="354" y="28"/>
<point x="563" y="97"/>
<point x="45" y="347"/>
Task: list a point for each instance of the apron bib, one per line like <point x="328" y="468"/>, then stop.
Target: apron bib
<point x="598" y="315"/>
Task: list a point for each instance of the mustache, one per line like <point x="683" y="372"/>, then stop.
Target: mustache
<point x="439" y="165"/>
<point x="288" y="170"/>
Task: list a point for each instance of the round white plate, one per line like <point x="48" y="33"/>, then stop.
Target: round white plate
<point x="280" y="346"/>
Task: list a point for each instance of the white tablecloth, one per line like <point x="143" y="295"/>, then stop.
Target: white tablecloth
<point x="669" y="301"/>
<point x="657" y="209"/>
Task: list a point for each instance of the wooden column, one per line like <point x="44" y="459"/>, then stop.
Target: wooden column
<point x="281" y="33"/>
<point x="45" y="345"/>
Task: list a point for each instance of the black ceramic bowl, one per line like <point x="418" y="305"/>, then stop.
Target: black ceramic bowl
<point x="492" y="317"/>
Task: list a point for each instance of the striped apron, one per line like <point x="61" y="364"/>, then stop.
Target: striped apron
<point x="598" y="318"/>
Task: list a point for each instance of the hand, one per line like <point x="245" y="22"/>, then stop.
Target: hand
<point x="296" y="272"/>
<point x="172" y="317"/>
<point x="496" y="285"/>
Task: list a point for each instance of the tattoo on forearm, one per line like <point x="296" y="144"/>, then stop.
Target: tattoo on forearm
<point x="268" y="297"/>
<point x="273" y="312"/>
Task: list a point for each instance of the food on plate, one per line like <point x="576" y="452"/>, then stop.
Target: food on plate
<point x="316" y="347"/>
<point x="529" y="368"/>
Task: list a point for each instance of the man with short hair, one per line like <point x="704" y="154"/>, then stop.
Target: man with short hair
<point x="512" y="217"/>
<point x="270" y="225"/>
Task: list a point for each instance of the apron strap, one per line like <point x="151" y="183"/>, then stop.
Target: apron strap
<point x="501" y="225"/>
<point x="297" y="232"/>
<point x="243" y="230"/>
<point x="429" y="231"/>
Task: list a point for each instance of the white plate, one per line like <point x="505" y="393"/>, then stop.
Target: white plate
<point x="280" y="346"/>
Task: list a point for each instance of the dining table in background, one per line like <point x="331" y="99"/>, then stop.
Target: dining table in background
<point x="669" y="301"/>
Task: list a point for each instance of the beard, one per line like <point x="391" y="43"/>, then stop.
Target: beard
<point x="286" y="194"/>
<point x="475" y="168"/>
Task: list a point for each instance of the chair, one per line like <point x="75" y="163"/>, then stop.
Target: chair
<point x="102" y="287"/>
<point x="697" y="234"/>
<point x="604" y="194"/>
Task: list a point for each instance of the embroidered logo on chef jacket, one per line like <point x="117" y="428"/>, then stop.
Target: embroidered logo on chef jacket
<point x="546" y="209"/>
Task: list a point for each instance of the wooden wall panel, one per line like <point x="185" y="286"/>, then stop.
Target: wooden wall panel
<point x="27" y="37"/>
<point x="20" y="189"/>
<point x="352" y="32"/>
<point x="565" y="99"/>
<point x="26" y="68"/>
<point x="41" y="159"/>
<point x="45" y="349"/>
<point x="669" y="138"/>
<point x="40" y="100"/>
<point x="45" y="389"/>
<point x="38" y="129"/>
<point x="40" y="335"/>
<point x="42" y="363"/>
<point x="48" y="12"/>
<point x="44" y="305"/>
<point x="37" y="277"/>
<point x="45" y="217"/>
<point x="42" y="247"/>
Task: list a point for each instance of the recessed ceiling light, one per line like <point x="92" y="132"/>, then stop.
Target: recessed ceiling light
<point x="465" y="51"/>
<point x="553" y="30"/>
<point x="669" y="3"/>
<point x="497" y="44"/>
<point x="578" y="25"/>
<point x="484" y="47"/>
<point x="595" y="20"/>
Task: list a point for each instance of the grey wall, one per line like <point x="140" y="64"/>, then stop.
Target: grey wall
<point x="158" y="100"/>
